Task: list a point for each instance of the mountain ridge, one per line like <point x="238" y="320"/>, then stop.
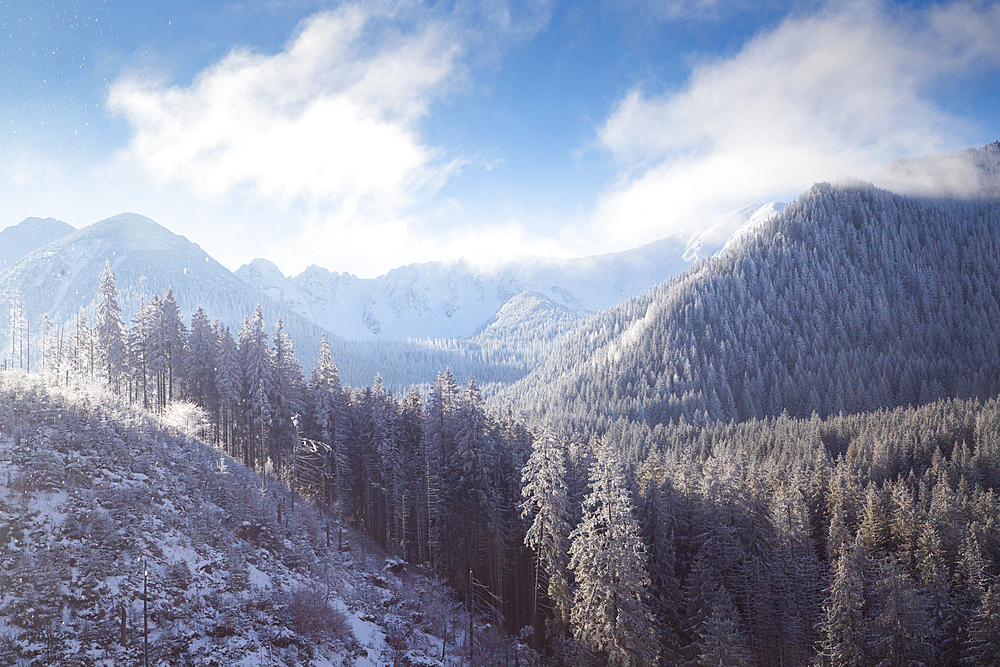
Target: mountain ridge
<point x="853" y="298"/>
<point x="456" y="299"/>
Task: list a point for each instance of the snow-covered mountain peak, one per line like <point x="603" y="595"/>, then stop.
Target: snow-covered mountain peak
<point x="723" y="231"/>
<point x="29" y="235"/>
<point x="456" y="299"/>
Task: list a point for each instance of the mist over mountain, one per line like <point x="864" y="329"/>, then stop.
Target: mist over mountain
<point x="966" y="173"/>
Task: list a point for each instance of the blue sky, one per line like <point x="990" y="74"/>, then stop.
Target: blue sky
<point x="364" y="135"/>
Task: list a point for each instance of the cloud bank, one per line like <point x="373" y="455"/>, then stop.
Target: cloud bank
<point x="329" y="122"/>
<point x="838" y="93"/>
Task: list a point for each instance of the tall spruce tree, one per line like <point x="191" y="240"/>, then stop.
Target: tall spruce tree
<point x="327" y="423"/>
<point x="258" y="384"/>
<point x="203" y="348"/>
<point x="109" y="329"/>
<point x="608" y="560"/>
<point x="547" y="506"/>
<point x="286" y="396"/>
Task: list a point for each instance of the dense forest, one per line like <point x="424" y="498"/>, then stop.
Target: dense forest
<point x="850" y="299"/>
<point x="727" y="471"/>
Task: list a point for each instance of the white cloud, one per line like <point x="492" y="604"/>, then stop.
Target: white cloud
<point x="840" y="92"/>
<point x="315" y="154"/>
<point x="329" y="122"/>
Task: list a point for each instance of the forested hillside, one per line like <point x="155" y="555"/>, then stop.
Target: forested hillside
<point x="867" y="539"/>
<point x="126" y="541"/>
<point x="851" y="299"/>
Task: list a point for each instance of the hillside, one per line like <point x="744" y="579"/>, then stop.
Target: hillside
<point x="850" y="299"/>
<point x="95" y="492"/>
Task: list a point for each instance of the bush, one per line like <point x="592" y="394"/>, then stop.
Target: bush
<point x="309" y="615"/>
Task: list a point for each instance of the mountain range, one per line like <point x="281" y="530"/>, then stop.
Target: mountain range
<point x="406" y="325"/>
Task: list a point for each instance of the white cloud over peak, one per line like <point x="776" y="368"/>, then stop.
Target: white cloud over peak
<point x="328" y="123"/>
<point x="840" y="92"/>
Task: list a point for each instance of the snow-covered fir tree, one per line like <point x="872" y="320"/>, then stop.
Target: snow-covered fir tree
<point x="610" y="614"/>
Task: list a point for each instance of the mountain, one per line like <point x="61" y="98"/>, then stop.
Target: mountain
<point x="850" y="299"/>
<point x="966" y="173"/>
<point x="406" y="325"/>
<point x="441" y="300"/>
<point x="30" y="234"/>
<point x="60" y="278"/>
<point x="117" y="525"/>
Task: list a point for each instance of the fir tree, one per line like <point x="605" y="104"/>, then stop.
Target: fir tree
<point x="109" y="329"/>
<point x="608" y="561"/>
<point x="546" y="504"/>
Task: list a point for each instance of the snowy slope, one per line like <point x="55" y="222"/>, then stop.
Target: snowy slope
<point x="96" y="493"/>
<point x="30" y="234"/>
<point x="457" y="299"/>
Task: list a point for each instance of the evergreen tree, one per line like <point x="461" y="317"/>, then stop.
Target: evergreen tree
<point x="175" y="345"/>
<point x="229" y="380"/>
<point x="109" y="329"/>
<point x="203" y="349"/>
<point x="983" y="644"/>
<point x="546" y="504"/>
<point x="438" y="445"/>
<point x="258" y="385"/>
<point x="327" y="422"/>
<point x="286" y="397"/>
<point x="722" y="643"/>
<point x="608" y="560"/>
<point x="844" y="625"/>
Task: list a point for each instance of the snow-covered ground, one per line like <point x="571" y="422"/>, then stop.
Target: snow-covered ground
<point x="95" y="494"/>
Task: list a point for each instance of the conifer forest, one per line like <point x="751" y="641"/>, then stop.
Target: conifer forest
<point x="788" y="454"/>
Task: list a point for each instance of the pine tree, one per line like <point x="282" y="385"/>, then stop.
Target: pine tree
<point x="258" y="384"/>
<point x="546" y="504"/>
<point x="899" y="629"/>
<point x="109" y="329"/>
<point x="138" y="355"/>
<point x="175" y="340"/>
<point x="229" y="380"/>
<point x="608" y="561"/>
<point x="327" y="421"/>
<point x="983" y="644"/>
<point x="286" y="398"/>
<point x="82" y="346"/>
<point x="722" y="643"/>
<point x="438" y="445"/>
<point x="157" y="353"/>
<point x="203" y="347"/>
<point x="844" y="623"/>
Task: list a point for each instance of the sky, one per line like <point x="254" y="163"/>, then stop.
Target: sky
<point x="362" y="136"/>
